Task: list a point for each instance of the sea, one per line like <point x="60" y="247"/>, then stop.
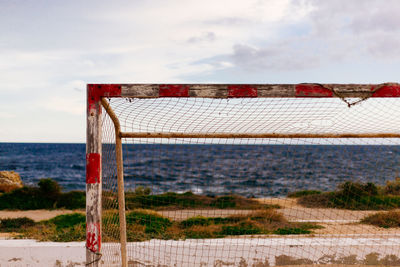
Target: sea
<point x="211" y="169"/>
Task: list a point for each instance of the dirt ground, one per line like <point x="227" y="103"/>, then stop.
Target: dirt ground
<point x="36" y="215"/>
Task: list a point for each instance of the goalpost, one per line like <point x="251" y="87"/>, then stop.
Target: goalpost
<point x="172" y="167"/>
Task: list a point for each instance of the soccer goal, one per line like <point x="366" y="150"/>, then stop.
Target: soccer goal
<point x="243" y="175"/>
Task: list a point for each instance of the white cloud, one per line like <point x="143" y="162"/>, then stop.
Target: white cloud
<point x="50" y="50"/>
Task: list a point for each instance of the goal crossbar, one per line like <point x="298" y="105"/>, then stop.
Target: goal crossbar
<point x="247" y="90"/>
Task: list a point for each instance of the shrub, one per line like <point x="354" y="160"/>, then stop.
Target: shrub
<point x="72" y="200"/>
<point x="24" y="198"/>
<point x="353" y="196"/>
<point x="392" y="187"/>
<point x="383" y="219"/>
<point x="302" y="193"/>
<point x="354" y="189"/>
<point x="49" y="189"/>
<point x="267" y="216"/>
<point x="142" y="191"/>
<point x="199" y="231"/>
<point x="198" y="220"/>
<point x="47" y="195"/>
<point x="322" y="200"/>
<point x="224" y="202"/>
<point x="15" y="224"/>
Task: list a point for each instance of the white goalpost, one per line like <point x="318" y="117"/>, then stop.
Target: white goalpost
<point x="242" y="174"/>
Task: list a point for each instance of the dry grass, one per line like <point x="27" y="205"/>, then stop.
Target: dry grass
<point x="383" y="219"/>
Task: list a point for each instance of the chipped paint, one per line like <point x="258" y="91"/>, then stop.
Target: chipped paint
<point x="173" y="90"/>
<point x="93" y="238"/>
<point x="242" y="90"/>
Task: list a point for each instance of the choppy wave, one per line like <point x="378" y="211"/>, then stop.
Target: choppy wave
<point x="262" y="170"/>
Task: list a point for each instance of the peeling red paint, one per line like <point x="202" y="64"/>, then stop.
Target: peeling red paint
<point x="312" y="90"/>
<point x="173" y="90"/>
<point x="386" y="90"/>
<point x="97" y="91"/>
<point x="242" y="90"/>
<point x="93" y="237"/>
<point x="93" y="166"/>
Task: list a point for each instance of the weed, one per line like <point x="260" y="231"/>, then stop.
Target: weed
<point x="291" y="231"/>
<point x="15" y="224"/>
<point x="383" y="219"/>
<point x="353" y="196"/>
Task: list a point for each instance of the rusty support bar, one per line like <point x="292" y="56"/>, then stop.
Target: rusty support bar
<point x="120" y="179"/>
<point x="255" y="135"/>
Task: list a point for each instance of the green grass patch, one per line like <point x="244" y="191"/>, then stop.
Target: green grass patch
<point x="67" y="220"/>
<point x="147" y="224"/>
<point x="354" y="196"/>
<point x="291" y="231"/>
<point x="388" y="219"/>
<point x="47" y="195"/>
<point x="153" y="223"/>
<point x="62" y="228"/>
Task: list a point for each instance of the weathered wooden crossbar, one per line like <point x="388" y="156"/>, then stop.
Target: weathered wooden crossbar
<point x="247" y="90"/>
<point x="254" y="135"/>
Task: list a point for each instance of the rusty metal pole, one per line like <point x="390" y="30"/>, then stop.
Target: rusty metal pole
<point x="120" y="180"/>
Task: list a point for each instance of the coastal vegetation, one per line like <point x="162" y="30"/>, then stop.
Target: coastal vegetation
<point x="388" y="219"/>
<point x="141" y="198"/>
<point x="47" y="195"/>
<point x="148" y="224"/>
<point x="353" y="196"/>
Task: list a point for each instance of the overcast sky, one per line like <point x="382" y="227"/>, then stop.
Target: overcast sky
<point x="50" y="50"/>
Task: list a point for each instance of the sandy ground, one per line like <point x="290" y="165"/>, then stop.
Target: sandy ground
<point x="342" y="241"/>
<point x="36" y="215"/>
<point x="335" y="221"/>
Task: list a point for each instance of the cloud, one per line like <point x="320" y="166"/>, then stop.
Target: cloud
<point x="370" y="25"/>
<point x="49" y="50"/>
<point x="320" y="34"/>
<point x="204" y="37"/>
<point x="279" y="57"/>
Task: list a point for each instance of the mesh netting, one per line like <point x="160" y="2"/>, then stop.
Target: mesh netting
<point x="254" y="201"/>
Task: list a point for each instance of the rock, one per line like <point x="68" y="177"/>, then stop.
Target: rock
<point x="9" y="181"/>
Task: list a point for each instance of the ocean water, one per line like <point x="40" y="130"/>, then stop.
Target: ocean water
<point x="249" y="170"/>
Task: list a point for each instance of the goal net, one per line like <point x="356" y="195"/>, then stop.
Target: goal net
<point x="243" y="175"/>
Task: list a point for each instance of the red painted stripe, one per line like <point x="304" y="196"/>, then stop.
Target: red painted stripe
<point x="93" y="237"/>
<point x="242" y="90"/>
<point x="386" y="91"/>
<point x="97" y="91"/>
<point x="93" y="166"/>
<point x="312" y="90"/>
<point x="173" y="90"/>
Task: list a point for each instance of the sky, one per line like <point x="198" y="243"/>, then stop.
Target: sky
<point x="50" y="50"/>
